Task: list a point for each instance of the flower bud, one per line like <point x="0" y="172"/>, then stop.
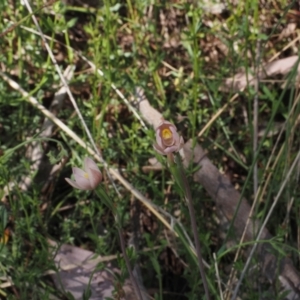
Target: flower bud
<point x="167" y="138"/>
<point x="88" y="178"/>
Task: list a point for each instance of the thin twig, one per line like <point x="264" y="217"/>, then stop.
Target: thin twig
<point x="216" y="115"/>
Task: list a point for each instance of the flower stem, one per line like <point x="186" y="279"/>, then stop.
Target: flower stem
<point x="132" y="278"/>
<point x="107" y="200"/>
<point x="188" y="196"/>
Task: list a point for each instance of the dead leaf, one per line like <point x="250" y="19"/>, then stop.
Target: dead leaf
<point x="281" y="66"/>
<point x="78" y="272"/>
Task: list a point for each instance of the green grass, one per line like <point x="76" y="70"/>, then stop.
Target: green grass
<point x="180" y="54"/>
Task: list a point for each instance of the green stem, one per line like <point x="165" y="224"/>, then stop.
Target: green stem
<point x="182" y="181"/>
<point x="132" y="278"/>
<point x="106" y="199"/>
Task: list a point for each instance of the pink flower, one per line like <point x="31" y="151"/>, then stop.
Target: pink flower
<point x="88" y="178"/>
<point x="167" y="138"/>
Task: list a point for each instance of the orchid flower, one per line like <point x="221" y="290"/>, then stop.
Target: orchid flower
<point x="88" y="178"/>
<point x="167" y="138"/>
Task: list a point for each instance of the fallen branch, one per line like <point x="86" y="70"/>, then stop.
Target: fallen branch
<point x="229" y="204"/>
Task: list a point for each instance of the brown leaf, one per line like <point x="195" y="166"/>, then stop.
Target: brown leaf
<point x="78" y="271"/>
<point x="281" y="66"/>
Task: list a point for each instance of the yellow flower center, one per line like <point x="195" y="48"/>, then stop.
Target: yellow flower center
<point x="86" y="175"/>
<point x="166" y="134"/>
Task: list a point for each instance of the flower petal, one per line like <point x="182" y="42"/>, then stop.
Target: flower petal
<point x="171" y="149"/>
<point x="78" y="172"/>
<point x="164" y="122"/>
<point x="167" y="138"/>
<point x="174" y="131"/>
<point x="73" y="183"/>
<point x="159" y="149"/>
<point x="90" y="164"/>
<point x="82" y="179"/>
<point x="95" y="177"/>
<point x="94" y="174"/>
